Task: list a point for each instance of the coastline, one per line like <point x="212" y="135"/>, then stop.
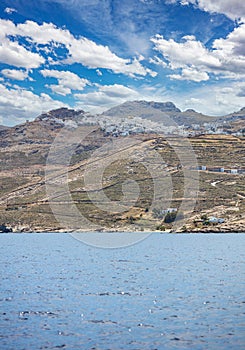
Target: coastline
<point x="210" y="230"/>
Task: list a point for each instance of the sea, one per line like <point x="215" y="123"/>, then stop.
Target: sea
<point x="169" y="291"/>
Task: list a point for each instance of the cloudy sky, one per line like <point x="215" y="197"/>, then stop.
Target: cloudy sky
<point x="94" y="54"/>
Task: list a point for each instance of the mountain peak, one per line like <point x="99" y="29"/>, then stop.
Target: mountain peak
<point x="162" y="106"/>
<point x="141" y="106"/>
<point x="165" y="106"/>
<point x="190" y="110"/>
<point x="60" y="113"/>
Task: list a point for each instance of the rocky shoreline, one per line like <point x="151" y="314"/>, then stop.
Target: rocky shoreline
<point x="213" y="229"/>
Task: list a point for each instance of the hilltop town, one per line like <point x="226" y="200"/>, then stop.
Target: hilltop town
<point x="148" y="117"/>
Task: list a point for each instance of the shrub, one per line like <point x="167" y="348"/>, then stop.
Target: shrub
<point x="170" y="217"/>
<point x="160" y="228"/>
<point x="157" y="213"/>
<point x="131" y="219"/>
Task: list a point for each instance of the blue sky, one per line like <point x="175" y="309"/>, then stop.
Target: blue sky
<point x="95" y="54"/>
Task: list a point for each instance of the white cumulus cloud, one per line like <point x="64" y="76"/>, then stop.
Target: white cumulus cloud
<point x="79" y="49"/>
<point x="233" y="9"/>
<point x="189" y="51"/>
<point x="215" y="100"/>
<point x="67" y="81"/>
<point x="12" y="53"/>
<point x="105" y="97"/>
<point x="9" y="10"/>
<point x="15" y="74"/>
<point x="17" y="104"/>
<point x="190" y="74"/>
<point x="225" y="58"/>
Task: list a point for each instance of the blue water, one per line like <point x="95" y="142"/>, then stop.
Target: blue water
<point x="167" y="292"/>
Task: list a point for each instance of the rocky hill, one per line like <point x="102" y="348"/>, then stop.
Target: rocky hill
<point x="3" y="127"/>
<point x="26" y="206"/>
<point x="240" y="115"/>
<point x="61" y="115"/>
<point x="159" y="112"/>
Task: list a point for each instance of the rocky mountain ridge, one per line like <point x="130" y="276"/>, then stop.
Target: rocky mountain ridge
<point x="162" y="111"/>
<point x="61" y="114"/>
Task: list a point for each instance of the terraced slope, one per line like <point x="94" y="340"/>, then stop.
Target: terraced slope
<point x="25" y="204"/>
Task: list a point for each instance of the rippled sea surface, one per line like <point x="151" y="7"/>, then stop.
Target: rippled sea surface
<point x="167" y="292"/>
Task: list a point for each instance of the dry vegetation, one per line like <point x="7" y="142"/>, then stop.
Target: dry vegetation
<point x="24" y="204"/>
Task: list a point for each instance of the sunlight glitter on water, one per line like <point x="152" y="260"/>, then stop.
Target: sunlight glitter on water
<point x="169" y="291"/>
